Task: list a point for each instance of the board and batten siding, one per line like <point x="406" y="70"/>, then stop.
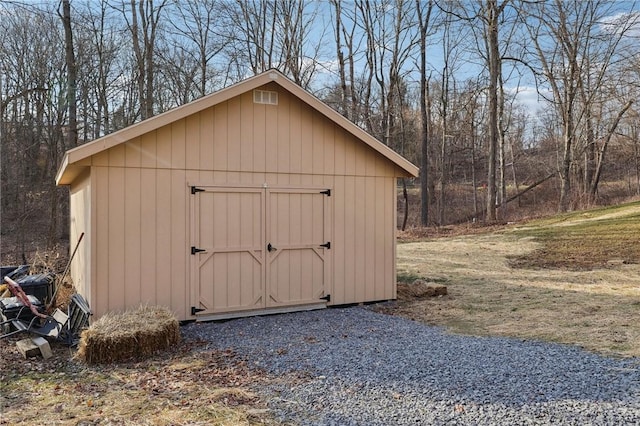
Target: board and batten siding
<point x="140" y="223"/>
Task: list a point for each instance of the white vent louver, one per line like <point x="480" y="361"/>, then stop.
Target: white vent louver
<point x="265" y="97"/>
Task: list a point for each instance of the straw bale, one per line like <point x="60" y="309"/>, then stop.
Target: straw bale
<point x="133" y="334"/>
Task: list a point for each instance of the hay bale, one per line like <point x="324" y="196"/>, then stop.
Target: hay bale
<point x="420" y="289"/>
<point x="130" y="335"/>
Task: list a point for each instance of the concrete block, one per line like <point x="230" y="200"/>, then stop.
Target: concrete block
<point x="43" y="345"/>
<point x="27" y="348"/>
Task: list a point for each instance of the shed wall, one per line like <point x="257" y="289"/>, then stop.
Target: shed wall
<point x="80" y="214"/>
<point x="142" y="217"/>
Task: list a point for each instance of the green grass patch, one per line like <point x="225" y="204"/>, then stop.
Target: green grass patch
<point x="595" y="213"/>
<point x="584" y="240"/>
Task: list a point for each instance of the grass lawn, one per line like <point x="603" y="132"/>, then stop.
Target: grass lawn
<point x="573" y="279"/>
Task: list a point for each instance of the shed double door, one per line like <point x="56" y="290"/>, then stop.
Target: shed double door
<point x="258" y="248"/>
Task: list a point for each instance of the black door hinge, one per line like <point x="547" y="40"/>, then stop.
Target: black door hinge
<point x="327" y="298"/>
<point x="195" y="250"/>
<point x="326" y="245"/>
<point x="327" y="192"/>
<point x="195" y="310"/>
<point x="195" y="189"/>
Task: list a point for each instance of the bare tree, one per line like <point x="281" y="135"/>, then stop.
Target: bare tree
<point x="423" y="11"/>
<point x="33" y="114"/>
<point x="143" y="21"/>
<point x="574" y="57"/>
<point x="491" y="20"/>
<point x="485" y="19"/>
<point x="390" y="40"/>
<point x="200" y="26"/>
<point x="99" y="50"/>
<point x="448" y="101"/>
<point x="349" y="42"/>
<point x="70" y="59"/>
<point x="298" y="52"/>
<point x="266" y="34"/>
<point x="338" y="34"/>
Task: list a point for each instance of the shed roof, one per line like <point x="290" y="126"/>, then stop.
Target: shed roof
<point x="70" y="169"/>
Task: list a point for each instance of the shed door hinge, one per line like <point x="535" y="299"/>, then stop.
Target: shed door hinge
<point x="326" y="192"/>
<point x="326" y="245"/>
<point x="195" y="310"/>
<point x="327" y="298"/>
<point x="195" y="250"/>
<point x="195" y="189"/>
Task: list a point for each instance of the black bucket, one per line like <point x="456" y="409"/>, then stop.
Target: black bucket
<point x="14" y="272"/>
<point x="38" y="285"/>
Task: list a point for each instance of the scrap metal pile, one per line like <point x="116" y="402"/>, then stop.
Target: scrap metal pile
<point x="26" y="302"/>
<point x="24" y="296"/>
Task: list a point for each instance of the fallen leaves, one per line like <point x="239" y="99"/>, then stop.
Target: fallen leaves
<point x="187" y="385"/>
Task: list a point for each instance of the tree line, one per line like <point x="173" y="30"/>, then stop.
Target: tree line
<point x="441" y="82"/>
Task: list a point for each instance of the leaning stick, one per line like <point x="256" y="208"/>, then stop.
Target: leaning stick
<point x="64" y="274"/>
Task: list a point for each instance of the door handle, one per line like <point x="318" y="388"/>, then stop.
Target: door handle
<point x="271" y="248"/>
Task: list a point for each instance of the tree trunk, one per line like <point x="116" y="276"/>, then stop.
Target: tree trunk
<point x="423" y="22"/>
<point x="589" y="154"/>
<point x="494" y="72"/>
<point x="72" y="132"/>
<point x="137" y="50"/>
<point x="442" y="181"/>
<point x="144" y="22"/>
<point x="474" y="179"/>
<point x="565" y="166"/>
<point x="405" y="196"/>
<point x="513" y="170"/>
<point x="501" y="147"/>
<point x="340" y="56"/>
<point x="424" y="157"/>
<point x="593" y="185"/>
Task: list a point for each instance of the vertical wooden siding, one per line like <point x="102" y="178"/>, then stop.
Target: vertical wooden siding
<point x="80" y="212"/>
<point x="142" y="205"/>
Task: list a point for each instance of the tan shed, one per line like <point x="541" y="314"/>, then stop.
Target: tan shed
<point x="258" y="198"/>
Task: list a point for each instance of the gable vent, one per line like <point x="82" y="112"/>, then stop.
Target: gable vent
<point x="265" y="97"/>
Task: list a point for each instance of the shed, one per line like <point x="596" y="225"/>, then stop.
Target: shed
<point x="258" y="198"/>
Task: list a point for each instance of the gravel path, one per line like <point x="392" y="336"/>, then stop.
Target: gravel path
<point x="366" y="368"/>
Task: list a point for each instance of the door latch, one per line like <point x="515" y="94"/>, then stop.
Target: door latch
<point x="271" y="248"/>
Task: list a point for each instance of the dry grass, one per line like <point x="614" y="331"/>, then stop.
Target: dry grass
<point x="420" y="289"/>
<point x="163" y="382"/>
<point x="589" y="296"/>
<point x="188" y="385"/>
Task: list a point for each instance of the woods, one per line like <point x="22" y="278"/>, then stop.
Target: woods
<point x="489" y="98"/>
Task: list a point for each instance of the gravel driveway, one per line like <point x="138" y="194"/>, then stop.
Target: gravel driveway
<point x="365" y="368"/>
